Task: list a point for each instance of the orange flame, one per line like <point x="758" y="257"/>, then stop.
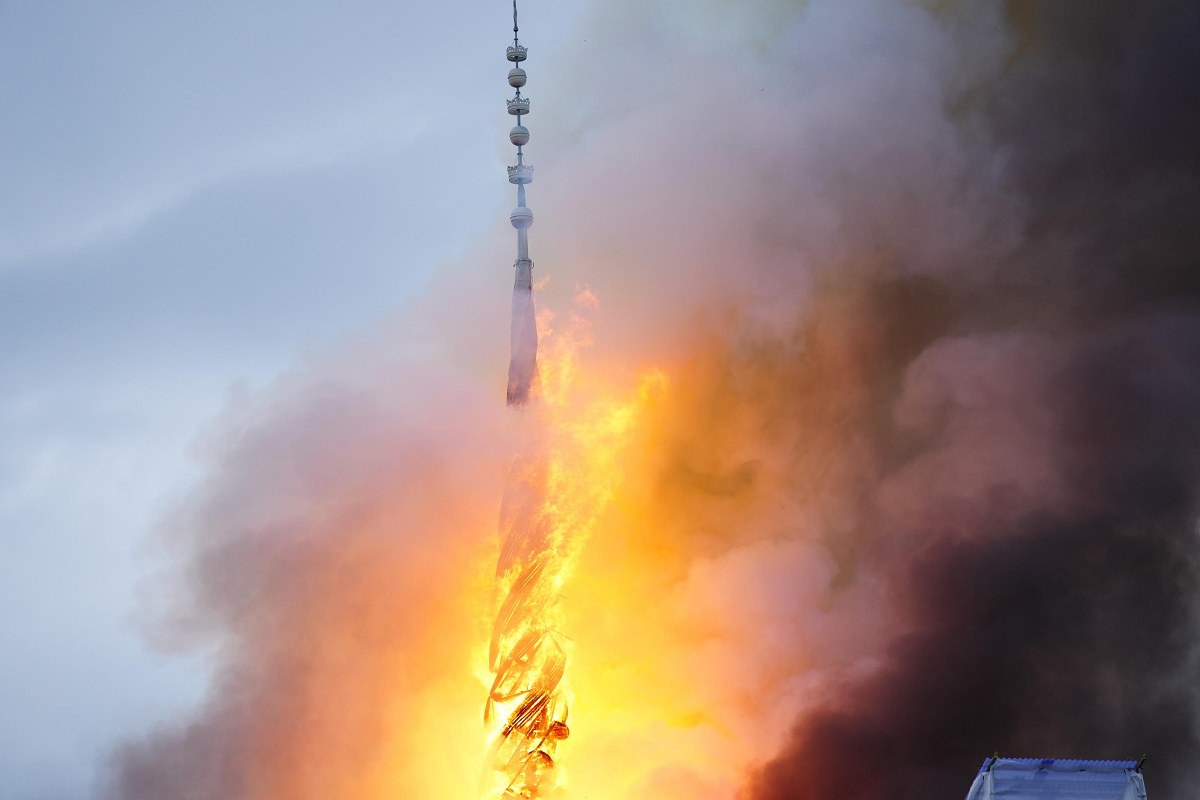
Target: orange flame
<point x="556" y="492"/>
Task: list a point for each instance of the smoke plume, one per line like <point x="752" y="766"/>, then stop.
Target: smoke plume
<point x="920" y="483"/>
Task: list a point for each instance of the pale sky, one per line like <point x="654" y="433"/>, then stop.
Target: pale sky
<point x="196" y="195"/>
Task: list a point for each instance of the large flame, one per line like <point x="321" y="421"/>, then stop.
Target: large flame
<point x="671" y="664"/>
<point x="557" y="490"/>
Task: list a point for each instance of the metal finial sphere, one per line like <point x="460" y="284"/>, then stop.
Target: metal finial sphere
<point x="521" y="218"/>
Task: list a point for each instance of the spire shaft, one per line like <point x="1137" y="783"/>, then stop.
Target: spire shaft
<point x="522" y="366"/>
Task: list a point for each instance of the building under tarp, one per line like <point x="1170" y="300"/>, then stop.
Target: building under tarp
<point x="1053" y="778"/>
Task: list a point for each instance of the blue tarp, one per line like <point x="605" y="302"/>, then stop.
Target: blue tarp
<point x="1050" y="778"/>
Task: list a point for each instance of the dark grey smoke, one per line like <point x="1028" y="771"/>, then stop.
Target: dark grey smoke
<point x="1059" y="622"/>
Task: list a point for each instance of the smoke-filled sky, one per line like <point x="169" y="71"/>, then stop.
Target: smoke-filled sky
<point x="195" y="197"/>
<point x="895" y="304"/>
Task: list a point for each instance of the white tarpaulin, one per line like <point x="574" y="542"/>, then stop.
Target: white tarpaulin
<point x="1049" y="778"/>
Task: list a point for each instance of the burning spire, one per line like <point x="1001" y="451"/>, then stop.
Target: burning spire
<point x="522" y="367"/>
<point x="525" y="709"/>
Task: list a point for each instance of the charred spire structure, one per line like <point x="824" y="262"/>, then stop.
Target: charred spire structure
<point x="522" y="367"/>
